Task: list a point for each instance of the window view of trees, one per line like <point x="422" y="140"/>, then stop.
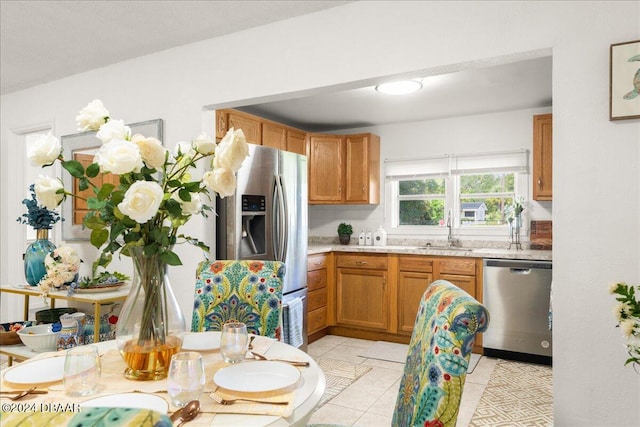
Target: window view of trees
<point x="483" y="198"/>
<point x="421" y="202"/>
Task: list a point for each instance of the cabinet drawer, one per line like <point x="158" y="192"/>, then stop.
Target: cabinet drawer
<point x="317" y="319"/>
<point x="317" y="279"/>
<point x="317" y="299"/>
<point x="416" y="263"/>
<point x="458" y="266"/>
<point x="362" y="261"/>
<point x="315" y="262"/>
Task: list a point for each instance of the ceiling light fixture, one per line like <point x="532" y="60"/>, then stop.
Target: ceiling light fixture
<point x="399" y="88"/>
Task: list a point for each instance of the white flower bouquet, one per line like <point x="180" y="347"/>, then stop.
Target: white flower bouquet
<point x="62" y="267"/>
<point x="156" y="194"/>
<point x="627" y="313"/>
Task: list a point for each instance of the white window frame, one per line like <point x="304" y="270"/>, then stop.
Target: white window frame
<point x="516" y="162"/>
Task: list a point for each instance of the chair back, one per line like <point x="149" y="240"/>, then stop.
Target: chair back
<point x="246" y="291"/>
<point x="446" y="325"/>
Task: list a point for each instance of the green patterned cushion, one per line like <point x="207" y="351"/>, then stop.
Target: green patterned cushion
<point x="446" y="326"/>
<point x="247" y="291"/>
<point x="88" y="416"/>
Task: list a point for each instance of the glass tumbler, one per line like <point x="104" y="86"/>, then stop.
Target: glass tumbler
<point x="186" y="378"/>
<point x="234" y="342"/>
<point x="81" y="370"/>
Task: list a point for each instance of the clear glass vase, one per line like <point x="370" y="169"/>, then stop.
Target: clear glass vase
<point x="34" y="269"/>
<point x="151" y="325"/>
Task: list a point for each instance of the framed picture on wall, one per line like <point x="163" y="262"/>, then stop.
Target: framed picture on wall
<point x="624" y="81"/>
<point x="82" y="147"/>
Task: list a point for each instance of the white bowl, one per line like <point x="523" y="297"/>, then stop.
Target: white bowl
<point x="39" y="338"/>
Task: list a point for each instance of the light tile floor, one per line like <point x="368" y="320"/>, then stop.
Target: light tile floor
<point x="370" y="400"/>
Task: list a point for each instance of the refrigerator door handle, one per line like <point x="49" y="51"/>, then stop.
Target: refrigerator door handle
<point x="279" y="220"/>
<point x="285" y="221"/>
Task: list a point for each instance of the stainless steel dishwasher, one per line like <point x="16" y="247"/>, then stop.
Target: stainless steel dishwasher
<point x="517" y="294"/>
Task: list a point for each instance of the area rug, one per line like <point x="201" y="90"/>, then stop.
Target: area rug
<point x="517" y="395"/>
<point x="393" y="352"/>
<point x="339" y="375"/>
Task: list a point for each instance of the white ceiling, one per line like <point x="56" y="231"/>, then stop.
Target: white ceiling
<point x="42" y="41"/>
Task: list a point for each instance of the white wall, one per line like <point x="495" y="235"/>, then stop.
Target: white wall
<point x="511" y="130"/>
<point x="594" y="242"/>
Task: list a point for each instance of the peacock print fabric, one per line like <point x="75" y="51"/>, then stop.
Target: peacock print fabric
<point x="446" y="325"/>
<point x="245" y="291"/>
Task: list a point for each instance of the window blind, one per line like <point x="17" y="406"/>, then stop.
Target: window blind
<point x="418" y="168"/>
<point x="457" y="164"/>
<point x="492" y="162"/>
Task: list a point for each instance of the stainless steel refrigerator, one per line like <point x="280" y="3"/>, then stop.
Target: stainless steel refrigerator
<point x="266" y="219"/>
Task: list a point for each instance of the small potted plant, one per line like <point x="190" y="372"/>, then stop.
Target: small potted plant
<point x="344" y="232"/>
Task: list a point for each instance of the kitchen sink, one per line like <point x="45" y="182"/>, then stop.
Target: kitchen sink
<point x="445" y="248"/>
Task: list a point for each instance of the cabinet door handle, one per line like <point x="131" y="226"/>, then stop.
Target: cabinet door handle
<point x="361" y="263"/>
<point x="539" y="182"/>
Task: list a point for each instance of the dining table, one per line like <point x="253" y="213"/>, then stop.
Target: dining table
<point x="281" y="378"/>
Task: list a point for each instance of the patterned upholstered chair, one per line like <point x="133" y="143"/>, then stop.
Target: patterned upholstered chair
<point x="434" y="374"/>
<point x="246" y="291"/>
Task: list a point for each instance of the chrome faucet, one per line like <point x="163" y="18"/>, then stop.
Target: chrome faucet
<point x="449" y="225"/>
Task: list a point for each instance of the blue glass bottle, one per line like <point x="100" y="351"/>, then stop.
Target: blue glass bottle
<point x="34" y="269"/>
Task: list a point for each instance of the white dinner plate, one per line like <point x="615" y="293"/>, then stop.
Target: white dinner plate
<point x="201" y="341"/>
<point x="259" y="376"/>
<point x="130" y="400"/>
<point x="36" y="372"/>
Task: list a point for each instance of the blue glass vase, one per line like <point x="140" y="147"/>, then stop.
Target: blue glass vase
<point x="34" y="269"/>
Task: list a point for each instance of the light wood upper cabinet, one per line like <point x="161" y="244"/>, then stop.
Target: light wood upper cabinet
<point x="274" y="136"/>
<point x="296" y="142"/>
<point x="251" y="127"/>
<point x="222" y="123"/>
<point x="542" y="157"/>
<point x="344" y="169"/>
<point x="325" y="168"/>
<point x="261" y="131"/>
<point x="362" y="177"/>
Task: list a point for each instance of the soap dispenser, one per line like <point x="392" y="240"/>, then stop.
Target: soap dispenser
<point x="361" y="238"/>
<point x="380" y="237"/>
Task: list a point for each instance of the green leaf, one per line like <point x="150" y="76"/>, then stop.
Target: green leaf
<point x="185" y="195"/>
<point x="74" y="168"/>
<point x="93" y="170"/>
<point x="174" y="183"/>
<point x="106" y="189"/>
<point x="99" y="237"/>
<point x="132" y="237"/>
<point x="151" y="249"/>
<point x="117" y="197"/>
<point x="112" y="247"/>
<point x="170" y="257"/>
<point x="83" y="183"/>
<point x="195" y="242"/>
<point x="95" y="204"/>
<point x="192" y="187"/>
<point x="94" y="222"/>
<point x="173" y="207"/>
<point x="117" y="228"/>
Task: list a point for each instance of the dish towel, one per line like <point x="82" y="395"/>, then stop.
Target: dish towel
<point x="295" y="322"/>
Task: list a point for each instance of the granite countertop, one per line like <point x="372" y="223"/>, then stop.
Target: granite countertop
<point x="501" y="253"/>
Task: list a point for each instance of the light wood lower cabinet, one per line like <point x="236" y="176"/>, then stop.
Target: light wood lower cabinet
<point x="414" y="275"/>
<point x="377" y="296"/>
<point x="317" y="293"/>
<point x="362" y="298"/>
